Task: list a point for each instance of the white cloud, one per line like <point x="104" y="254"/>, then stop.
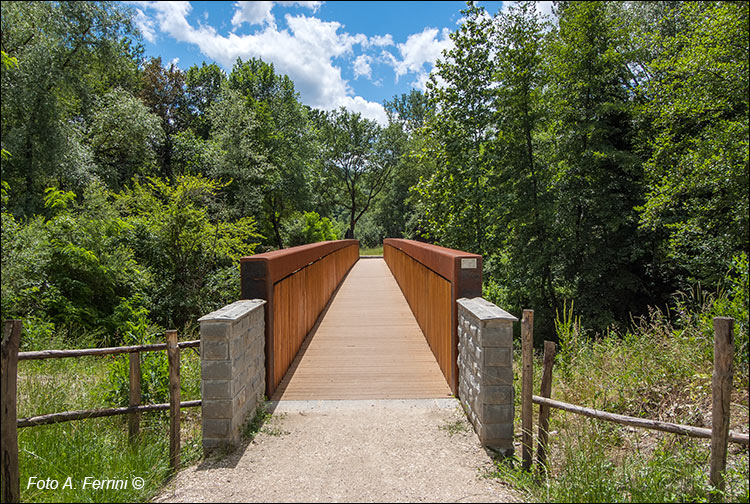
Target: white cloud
<point x="362" y="66"/>
<point x="259" y="12"/>
<point x="252" y="13"/>
<point x="545" y="8"/>
<point x="146" y="25"/>
<point x="380" y="40"/>
<point x="368" y="109"/>
<point x="173" y="61"/>
<point x="314" y="5"/>
<point x="305" y="52"/>
<point x="420" y="49"/>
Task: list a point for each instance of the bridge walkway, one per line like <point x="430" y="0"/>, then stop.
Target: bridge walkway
<point x="365" y="345"/>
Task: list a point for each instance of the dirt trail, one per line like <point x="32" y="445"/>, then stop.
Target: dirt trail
<point x="355" y="451"/>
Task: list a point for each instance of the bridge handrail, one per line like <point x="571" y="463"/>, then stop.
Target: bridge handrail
<point x="444" y="261"/>
<point x="303" y="278"/>
<point x="460" y="275"/>
<point x="279" y="264"/>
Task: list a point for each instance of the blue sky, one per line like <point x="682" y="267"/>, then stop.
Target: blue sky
<point x="351" y="54"/>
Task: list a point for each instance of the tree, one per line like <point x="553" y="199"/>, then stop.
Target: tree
<point x="175" y="235"/>
<point x="202" y="88"/>
<point x="124" y="138"/>
<point x="396" y="211"/>
<point x="698" y="165"/>
<point x="523" y="173"/>
<point x="68" y="53"/>
<point x="358" y="158"/>
<point x="455" y="198"/>
<point x="163" y="91"/>
<point x="411" y="110"/>
<point x="598" y="175"/>
<point x="282" y="141"/>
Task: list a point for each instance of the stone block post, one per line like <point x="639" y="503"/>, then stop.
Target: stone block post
<point x="485" y="371"/>
<point x="233" y="380"/>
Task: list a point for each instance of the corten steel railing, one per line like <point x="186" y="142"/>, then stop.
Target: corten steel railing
<point x="432" y="278"/>
<point x="296" y="283"/>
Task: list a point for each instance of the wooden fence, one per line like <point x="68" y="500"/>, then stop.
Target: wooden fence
<point x="721" y="391"/>
<point x="296" y="283"/>
<point x="11" y="423"/>
<point x="432" y="278"/>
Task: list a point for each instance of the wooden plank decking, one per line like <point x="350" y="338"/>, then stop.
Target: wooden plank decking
<point x="366" y="345"/>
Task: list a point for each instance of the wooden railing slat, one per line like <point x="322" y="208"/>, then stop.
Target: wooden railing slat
<point x="686" y="430"/>
<point x="68" y="416"/>
<point x="56" y="354"/>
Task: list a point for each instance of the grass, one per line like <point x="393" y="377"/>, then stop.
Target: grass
<point x="657" y="370"/>
<point x="459" y="426"/>
<point x="371" y="251"/>
<point x="263" y="421"/>
<point x="99" y="448"/>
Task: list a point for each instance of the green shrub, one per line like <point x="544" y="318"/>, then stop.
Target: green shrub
<point x="154" y="365"/>
<point x="309" y="227"/>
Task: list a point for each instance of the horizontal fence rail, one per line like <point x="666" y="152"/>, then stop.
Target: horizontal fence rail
<point x="58" y="354"/>
<point x="644" y="423"/>
<point x="432" y="278"/>
<point x="296" y="283"/>
<point x="11" y="423"/>
<point x="67" y="416"/>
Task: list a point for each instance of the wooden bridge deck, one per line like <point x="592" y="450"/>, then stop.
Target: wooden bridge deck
<point x="366" y="345"/>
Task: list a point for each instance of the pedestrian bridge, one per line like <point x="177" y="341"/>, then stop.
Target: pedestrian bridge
<point x="320" y="323"/>
<point x="343" y="327"/>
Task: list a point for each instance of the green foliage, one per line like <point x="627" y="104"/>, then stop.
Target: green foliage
<point x="698" y="167"/>
<point x="578" y="159"/>
<point x="569" y="336"/>
<point x="457" y="199"/>
<point x="356" y="161"/>
<point x="98" y="448"/>
<point x="255" y="423"/>
<point x="309" y="227"/>
<point x="659" y="368"/>
<point x="174" y="234"/>
<point x="370" y="233"/>
<point x="124" y="137"/>
<point x="162" y="89"/>
<point x="92" y="256"/>
<point x="68" y="53"/>
<point x="137" y="330"/>
<point x="202" y="88"/>
<point x="282" y="148"/>
<point x="73" y="268"/>
<point x="696" y="309"/>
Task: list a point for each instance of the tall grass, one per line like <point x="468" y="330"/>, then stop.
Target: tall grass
<point x="95" y="448"/>
<point x="377" y="251"/>
<point x="661" y="369"/>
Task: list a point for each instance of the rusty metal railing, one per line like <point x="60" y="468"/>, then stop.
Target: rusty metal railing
<point x="432" y="278"/>
<point x="296" y="283"/>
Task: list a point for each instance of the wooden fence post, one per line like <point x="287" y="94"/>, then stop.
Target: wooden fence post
<point x="722" y="391"/>
<point x="173" y="355"/>
<point x="527" y="376"/>
<point x="9" y="418"/>
<point x="546" y="391"/>
<point x="134" y="421"/>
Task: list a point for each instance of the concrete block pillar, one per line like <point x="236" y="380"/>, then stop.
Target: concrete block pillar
<point x="233" y="380"/>
<point x="485" y="368"/>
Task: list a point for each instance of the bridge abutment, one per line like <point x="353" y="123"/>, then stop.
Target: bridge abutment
<point x="485" y="371"/>
<point x="233" y="380"/>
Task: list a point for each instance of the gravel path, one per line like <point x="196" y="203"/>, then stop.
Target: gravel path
<point x="363" y="451"/>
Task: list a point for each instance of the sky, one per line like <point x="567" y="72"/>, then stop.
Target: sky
<point x="350" y="54"/>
